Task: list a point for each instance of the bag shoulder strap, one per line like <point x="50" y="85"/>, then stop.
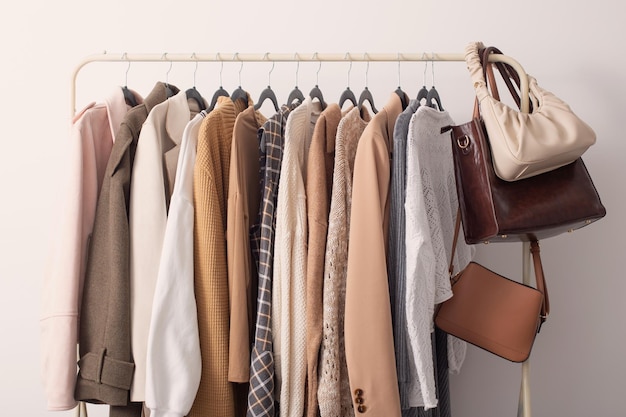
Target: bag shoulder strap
<point x="457" y="227"/>
<point x="541" y="281"/>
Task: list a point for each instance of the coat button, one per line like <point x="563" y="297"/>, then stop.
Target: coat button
<point x="361" y="408"/>
<point x="358" y="392"/>
<point x="358" y="400"/>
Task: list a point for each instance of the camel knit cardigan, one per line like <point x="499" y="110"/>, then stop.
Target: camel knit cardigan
<point x="216" y="395"/>
<point x="334" y="389"/>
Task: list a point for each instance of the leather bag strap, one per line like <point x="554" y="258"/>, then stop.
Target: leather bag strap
<point x="541" y="281"/>
<point x="508" y="73"/>
<point x="457" y="227"/>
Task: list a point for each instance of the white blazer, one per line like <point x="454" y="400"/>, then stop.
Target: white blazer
<point x="174" y="364"/>
<point x="153" y="175"/>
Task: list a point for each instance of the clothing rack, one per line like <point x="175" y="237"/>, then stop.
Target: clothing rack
<point x="524" y="405"/>
<point x="296" y="57"/>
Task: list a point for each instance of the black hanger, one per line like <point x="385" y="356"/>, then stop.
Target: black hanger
<point x="347" y="95"/>
<point x="239" y="93"/>
<point x="422" y="94"/>
<point x="267" y="93"/>
<point x="129" y="97"/>
<point x="402" y="96"/>
<point x="295" y="94"/>
<point x="220" y="92"/>
<point x="366" y="95"/>
<point x="433" y="94"/>
<point x="317" y="93"/>
<point x="168" y="90"/>
<point x="194" y="94"/>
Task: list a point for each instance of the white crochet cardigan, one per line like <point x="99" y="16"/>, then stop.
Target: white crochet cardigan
<point x="431" y="208"/>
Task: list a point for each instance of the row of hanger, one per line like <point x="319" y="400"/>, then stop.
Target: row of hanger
<point x="429" y="97"/>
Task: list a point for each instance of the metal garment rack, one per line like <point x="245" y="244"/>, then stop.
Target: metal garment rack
<point x="524" y="406"/>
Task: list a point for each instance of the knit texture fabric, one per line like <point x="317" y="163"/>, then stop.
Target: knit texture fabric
<point x="396" y="259"/>
<point x="320" y="166"/>
<point x="334" y="397"/>
<point x="210" y="189"/>
<point x="431" y="207"/>
<point x="290" y="252"/>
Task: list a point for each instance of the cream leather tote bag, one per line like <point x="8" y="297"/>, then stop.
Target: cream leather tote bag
<point x="527" y="144"/>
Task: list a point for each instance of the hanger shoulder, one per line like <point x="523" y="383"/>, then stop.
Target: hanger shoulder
<point x="433" y="94"/>
<point x="422" y="94"/>
<point x="193" y="93"/>
<point x="366" y="95"/>
<point x="220" y="92"/>
<point x="347" y="95"/>
<point x="129" y="97"/>
<point x="296" y="94"/>
<point x="317" y="93"/>
<point x="267" y="93"/>
<point x="403" y="97"/>
<point x="239" y="93"/>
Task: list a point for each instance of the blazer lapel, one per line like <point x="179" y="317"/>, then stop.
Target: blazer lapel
<point x="178" y="115"/>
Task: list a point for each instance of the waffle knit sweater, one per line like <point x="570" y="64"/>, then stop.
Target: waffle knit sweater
<point x="216" y="395"/>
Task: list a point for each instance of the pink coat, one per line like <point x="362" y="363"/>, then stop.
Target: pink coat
<point x="86" y="155"/>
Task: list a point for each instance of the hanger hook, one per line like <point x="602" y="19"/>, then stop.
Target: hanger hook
<point x="399" y="78"/>
<point x="269" y="75"/>
<point x="195" y="58"/>
<point x="349" y="68"/>
<point x="432" y="66"/>
<point x="317" y="74"/>
<point x="297" y="58"/>
<point x="167" y="73"/>
<point x="367" y="68"/>
<point x="425" y="59"/>
<point x="218" y="58"/>
<point x="236" y="58"/>
<point x="125" y="57"/>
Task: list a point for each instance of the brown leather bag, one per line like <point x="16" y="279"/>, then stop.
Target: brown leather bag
<point x="535" y="208"/>
<point x="493" y="312"/>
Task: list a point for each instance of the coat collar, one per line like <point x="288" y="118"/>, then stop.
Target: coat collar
<point x="177" y="116"/>
<point x="133" y="121"/>
<point x="117" y="108"/>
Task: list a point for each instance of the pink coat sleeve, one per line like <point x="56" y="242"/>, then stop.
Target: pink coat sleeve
<point x="85" y="158"/>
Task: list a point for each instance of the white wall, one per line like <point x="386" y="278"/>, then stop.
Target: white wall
<point x="575" y="51"/>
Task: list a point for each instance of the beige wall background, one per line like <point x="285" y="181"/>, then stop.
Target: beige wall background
<point x="574" y="49"/>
